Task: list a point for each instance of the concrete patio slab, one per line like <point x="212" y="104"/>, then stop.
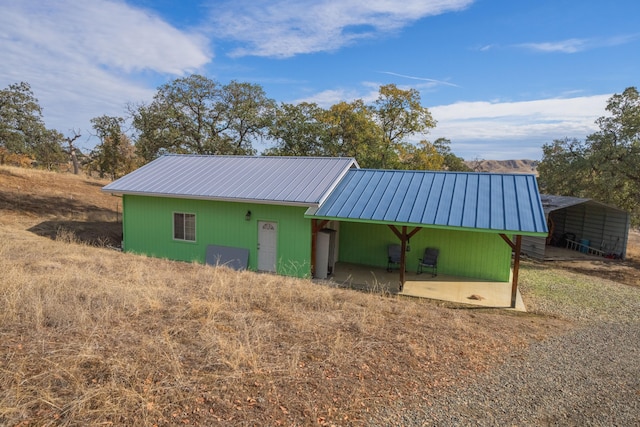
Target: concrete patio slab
<point x="461" y="290"/>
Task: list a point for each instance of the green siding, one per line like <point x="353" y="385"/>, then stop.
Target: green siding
<point x="462" y="253"/>
<point x="148" y="229"/>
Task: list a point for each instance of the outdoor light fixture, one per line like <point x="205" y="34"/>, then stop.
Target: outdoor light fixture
<point x="248" y="216"/>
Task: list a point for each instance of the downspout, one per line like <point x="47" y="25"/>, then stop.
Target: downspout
<point x="315" y="227"/>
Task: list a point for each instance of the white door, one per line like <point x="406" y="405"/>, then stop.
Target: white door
<point x="267" y="245"/>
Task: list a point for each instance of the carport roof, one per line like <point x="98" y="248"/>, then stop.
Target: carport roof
<point x="298" y="181"/>
<point x="500" y="203"/>
<point x="552" y="203"/>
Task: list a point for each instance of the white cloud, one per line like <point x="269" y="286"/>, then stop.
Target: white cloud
<point x="575" y="45"/>
<point x="84" y="59"/>
<point x="285" y="28"/>
<point x="564" y="46"/>
<point x="430" y="82"/>
<point x="104" y="32"/>
<point x="502" y="130"/>
<point x="329" y="97"/>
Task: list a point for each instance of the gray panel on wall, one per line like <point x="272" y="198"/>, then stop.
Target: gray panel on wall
<point x="236" y="258"/>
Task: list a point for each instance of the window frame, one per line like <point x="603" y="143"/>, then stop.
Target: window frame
<point x="184" y="227"/>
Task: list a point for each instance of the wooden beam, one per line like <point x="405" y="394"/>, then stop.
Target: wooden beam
<point x="516" y="248"/>
<point x="403" y="256"/>
<point x="509" y="242"/>
<point x="395" y="231"/>
<point x="404" y="240"/>
<point x="414" y="232"/>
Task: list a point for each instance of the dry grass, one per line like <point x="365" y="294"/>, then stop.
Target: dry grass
<point x="92" y="336"/>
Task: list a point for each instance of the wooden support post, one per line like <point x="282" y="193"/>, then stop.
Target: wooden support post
<point x="403" y="256"/>
<point x="516" y="248"/>
<point x="404" y="239"/>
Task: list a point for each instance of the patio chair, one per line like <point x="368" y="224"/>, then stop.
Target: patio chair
<point x="393" y="256"/>
<point x="429" y="260"/>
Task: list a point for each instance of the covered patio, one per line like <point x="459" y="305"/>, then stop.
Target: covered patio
<point x="461" y="290"/>
<point x="474" y="223"/>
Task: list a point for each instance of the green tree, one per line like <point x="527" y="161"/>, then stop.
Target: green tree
<point x="298" y="131"/>
<point x="249" y="113"/>
<point x="451" y="161"/>
<point x="565" y="169"/>
<point x="21" y="124"/>
<point x="421" y="156"/>
<point x="351" y="132"/>
<point x="114" y="155"/>
<point x="431" y="156"/>
<point x="605" y="165"/>
<point x="48" y="150"/>
<point x="400" y="115"/>
<point x="22" y="130"/>
<point x="197" y="115"/>
<point x="614" y="152"/>
<point x="375" y="135"/>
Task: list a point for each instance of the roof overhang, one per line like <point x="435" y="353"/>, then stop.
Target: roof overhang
<point x="217" y="199"/>
<point x="460" y="201"/>
<point x="310" y="215"/>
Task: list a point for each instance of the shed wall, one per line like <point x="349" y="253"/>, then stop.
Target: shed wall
<point x="535" y="247"/>
<point x="606" y="229"/>
<point x="148" y="229"/>
<point x="462" y="253"/>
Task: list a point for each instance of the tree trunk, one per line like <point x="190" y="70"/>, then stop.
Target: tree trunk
<point x="74" y="160"/>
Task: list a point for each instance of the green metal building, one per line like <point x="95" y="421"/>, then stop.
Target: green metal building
<point x="269" y="212"/>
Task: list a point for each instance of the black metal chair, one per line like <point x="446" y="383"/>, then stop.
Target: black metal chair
<point x="429" y="260"/>
<point x="393" y="254"/>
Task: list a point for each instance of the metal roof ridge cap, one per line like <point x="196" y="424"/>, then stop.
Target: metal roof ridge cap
<point x="543" y="218"/>
<point x="337" y="181"/>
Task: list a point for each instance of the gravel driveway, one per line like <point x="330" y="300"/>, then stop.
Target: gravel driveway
<point x="588" y="376"/>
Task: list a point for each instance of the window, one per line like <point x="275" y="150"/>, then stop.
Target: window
<point x="184" y="226"/>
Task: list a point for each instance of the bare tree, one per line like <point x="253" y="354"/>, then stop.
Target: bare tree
<point x="72" y="150"/>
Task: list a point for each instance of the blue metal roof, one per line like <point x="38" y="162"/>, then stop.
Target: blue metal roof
<point x="302" y="181"/>
<point x="506" y="203"/>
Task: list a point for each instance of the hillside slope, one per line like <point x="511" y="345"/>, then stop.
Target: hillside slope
<point x="94" y="336"/>
<point x="48" y="203"/>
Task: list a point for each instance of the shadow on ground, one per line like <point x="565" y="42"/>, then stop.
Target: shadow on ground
<point x="94" y="233"/>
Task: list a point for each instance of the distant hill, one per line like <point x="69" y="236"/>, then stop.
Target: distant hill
<point x="504" y="166"/>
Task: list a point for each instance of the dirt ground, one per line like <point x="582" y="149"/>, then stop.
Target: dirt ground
<point x="50" y="204"/>
<point x="625" y="271"/>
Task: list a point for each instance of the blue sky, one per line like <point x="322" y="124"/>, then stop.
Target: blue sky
<point x="500" y="77"/>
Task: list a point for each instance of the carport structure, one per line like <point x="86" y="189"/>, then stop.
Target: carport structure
<point x="476" y="220"/>
<point x="579" y="227"/>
